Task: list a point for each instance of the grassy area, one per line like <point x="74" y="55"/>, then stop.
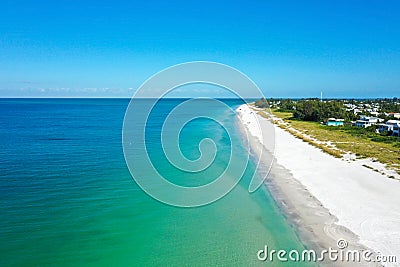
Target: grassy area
<point x="282" y="115"/>
<point x="363" y="143"/>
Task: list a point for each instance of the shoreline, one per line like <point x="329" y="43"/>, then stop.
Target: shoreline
<point x="326" y="198"/>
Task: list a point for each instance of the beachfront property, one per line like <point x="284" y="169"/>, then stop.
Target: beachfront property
<point x="384" y="127"/>
<point x="396" y="129"/>
<point x="362" y="123"/>
<point x="388" y="126"/>
<point x="366" y="121"/>
<point x="381" y="113"/>
<point x="395" y="115"/>
<point x="334" y="122"/>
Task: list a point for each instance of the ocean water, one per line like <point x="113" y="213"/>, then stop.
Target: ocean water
<point x="67" y="197"/>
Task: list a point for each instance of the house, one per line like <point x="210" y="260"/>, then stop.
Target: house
<point x="384" y="127"/>
<point x="372" y="120"/>
<point x="334" y="122"/>
<point x="388" y="126"/>
<point x="393" y="122"/>
<point x="396" y="129"/>
<point x="366" y="121"/>
<point x="362" y="123"/>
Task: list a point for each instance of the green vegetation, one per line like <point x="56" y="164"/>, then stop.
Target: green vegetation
<point x="303" y="117"/>
<point x="299" y="134"/>
<point x="386" y="104"/>
<point x="282" y="114"/>
<point x="314" y="109"/>
<point x="363" y="142"/>
<point x="262" y="103"/>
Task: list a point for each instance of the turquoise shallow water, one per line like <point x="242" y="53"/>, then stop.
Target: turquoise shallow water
<point x="68" y="199"/>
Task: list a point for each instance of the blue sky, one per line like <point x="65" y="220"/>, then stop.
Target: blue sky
<point x="289" y="48"/>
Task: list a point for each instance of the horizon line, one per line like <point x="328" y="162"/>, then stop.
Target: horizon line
<point x="113" y="97"/>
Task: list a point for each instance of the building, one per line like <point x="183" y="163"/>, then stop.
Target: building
<point x="393" y="122"/>
<point x="384" y="127"/>
<point x="362" y="123"/>
<point x="388" y="126"/>
<point x="396" y="129"/>
<point x="366" y="121"/>
<point x="372" y="120"/>
<point x="334" y="122"/>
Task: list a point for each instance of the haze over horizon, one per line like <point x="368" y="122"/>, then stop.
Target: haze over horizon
<point x="289" y="49"/>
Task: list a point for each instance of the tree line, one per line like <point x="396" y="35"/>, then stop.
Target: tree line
<point x="311" y="109"/>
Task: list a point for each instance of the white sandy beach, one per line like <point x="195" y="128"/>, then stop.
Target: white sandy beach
<point x="359" y="199"/>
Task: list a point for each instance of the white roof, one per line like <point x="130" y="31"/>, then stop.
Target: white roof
<point x="334" y="119"/>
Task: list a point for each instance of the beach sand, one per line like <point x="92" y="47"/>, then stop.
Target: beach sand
<point x="328" y="198"/>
